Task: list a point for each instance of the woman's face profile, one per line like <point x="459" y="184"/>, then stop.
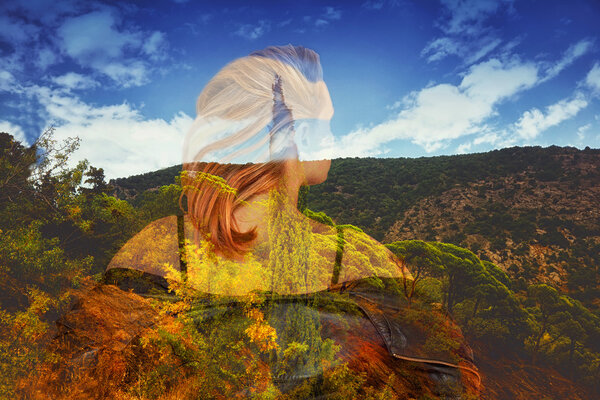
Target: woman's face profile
<point x="313" y="136"/>
<point x="315" y="172"/>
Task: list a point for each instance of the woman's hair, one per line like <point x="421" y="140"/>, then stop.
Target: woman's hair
<point x="213" y="201"/>
<point x="243" y="133"/>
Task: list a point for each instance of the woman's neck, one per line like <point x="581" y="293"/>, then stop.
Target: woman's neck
<point x="255" y="213"/>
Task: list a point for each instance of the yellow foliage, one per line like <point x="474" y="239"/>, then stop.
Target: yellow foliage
<point x="261" y="333"/>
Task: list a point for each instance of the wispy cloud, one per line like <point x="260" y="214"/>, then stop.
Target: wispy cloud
<point x="443" y="47"/>
<point x="46" y="57"/>
<point x="98" y="40"/>
<point x="435" y="115"/>
<point x="155" y="46"/>
<point x="44" y="12"/>
<point x="592" y="79"/>
<point x="581" y="132"/>
<point x="574" y="52"/>
<point x="15" y="31"/>
<point x="15" y="130"/>
<point x="332" y="13"/>
<point x="314" y="22"/>
<point x="75" y="81"/>
<point x="533" y="122"/>
<point x="438" y="114"/>
<point x="253" y="31"/>
<point x="467" y="17"/>
<point x="327" y="16"/>
<point x="464" y="148"/>
<point x="8" y="83"/>
<point x="440" y="48"/>
<point x="373" y="4"/>
<point x="379" y="4"/>
<point x="283" y="23"/>
<point x="466" y="33"/>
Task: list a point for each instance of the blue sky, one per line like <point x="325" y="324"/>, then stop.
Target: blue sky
<point x="407" y="78"/>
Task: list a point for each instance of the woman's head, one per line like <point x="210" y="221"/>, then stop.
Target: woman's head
<point x="259" y="106"/>
<point x="258" y="117"/>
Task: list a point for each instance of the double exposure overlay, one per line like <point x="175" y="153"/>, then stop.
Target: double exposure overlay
<point x="371" y="199"/>
<point x="240" y="293"/>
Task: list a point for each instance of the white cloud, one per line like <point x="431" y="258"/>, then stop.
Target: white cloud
<point x="471" y="51"/>
<point x="127" y="73"/>
<point x="440" y="48"/>
<point x="593" y="78"/>
<point x="115" y="137"/>
<point x="252" y="32"/>
<point x="468" y="33"/>
<point x="573" y="53"/>
<point x="332" y="13"/>
<point x="378" y="4"/>
<point x="99" y="41"/>
<point x="155" y="46"/>
<point x="534" y="121"/>
<point x="75" y="81"/>
<point x="467" y="16"/>
<point x="433" y="116"/>
<point x="15" y="31"/>
<point x="463" y="148"/>
<point x="482" y="48"/>
<point x="283" y="23"/>
<point x="205" y="18"/>
<point x="327" y="16"/>
<point x="373" y="4"/>
<point x="7" y="81"/>
<point x="492" y="80"/>
<point x="45" y="58"/>
<point x="93" y="38"/>
<point x="489" y="137"/>
<point x="582" y="130"/>
<point x="15" y="130"/>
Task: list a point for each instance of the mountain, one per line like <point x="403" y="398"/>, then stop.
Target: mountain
<point x="533" y="211"/>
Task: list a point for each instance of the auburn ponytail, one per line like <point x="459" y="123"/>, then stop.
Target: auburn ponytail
<point x="215" y="191"/>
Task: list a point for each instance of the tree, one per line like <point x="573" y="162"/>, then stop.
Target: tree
<point x="422" y="259"/>
<point x="16" y="162"/>
<point x="577" y="325"/>
<point x="462" y="269"/>
<point x="95" y="177"/>
<point x="547" y="305"/>
<point x="49" y="237"/>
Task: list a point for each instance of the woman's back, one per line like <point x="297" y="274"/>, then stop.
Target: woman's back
<point x="354" y="335"/>
<point x="300" y="256"/>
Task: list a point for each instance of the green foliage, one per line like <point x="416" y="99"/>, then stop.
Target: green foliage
<point x="348" y="193"/>
<point x="155" y="204"/>
<point x="421" y="258"/>
<point x="59" y="223"/>
<point x="55" y="230"/>
<point x="318" y="216"/>
<point x="477" y="293"/>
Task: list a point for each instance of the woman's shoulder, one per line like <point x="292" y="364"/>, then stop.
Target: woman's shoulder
<point x="364" y="256"/>
<point x="151" y="249"/>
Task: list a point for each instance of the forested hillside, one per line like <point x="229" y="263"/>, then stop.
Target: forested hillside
<point x="507" y="243"/>
<point x="528" y="218"/>
<point x="533" y="211"/>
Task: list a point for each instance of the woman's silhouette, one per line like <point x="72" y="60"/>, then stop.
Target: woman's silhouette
<point x="262" y="128"/>
<point x="252" y="298"/>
